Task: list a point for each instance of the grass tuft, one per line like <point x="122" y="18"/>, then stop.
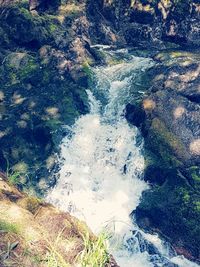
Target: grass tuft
<point x="95" y="252"/>
<point x="8" y="227"/>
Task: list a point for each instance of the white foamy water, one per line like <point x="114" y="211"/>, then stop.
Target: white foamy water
<point x="102" y="166"/>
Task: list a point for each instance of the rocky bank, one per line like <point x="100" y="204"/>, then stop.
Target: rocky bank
<point x="171" y="127"/>
<point x="34" y="233"/>
<point x="44" y="72"/>
<point x="148" y="23"/>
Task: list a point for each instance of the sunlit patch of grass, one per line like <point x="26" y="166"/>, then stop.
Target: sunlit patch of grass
<point x="95" y="252"/>
<point x="54" y="258"/>
<point x="69" y="8"/>
<point x="8" y="227"/>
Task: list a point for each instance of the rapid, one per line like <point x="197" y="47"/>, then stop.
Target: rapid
<point x="102" y="164"/>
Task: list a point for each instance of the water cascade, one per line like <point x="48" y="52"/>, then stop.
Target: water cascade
<point x="102" y="164"/>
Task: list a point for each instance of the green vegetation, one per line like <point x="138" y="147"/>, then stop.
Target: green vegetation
<point x="165" y="143"/>
<point x="87" y="69"/>
<point x="95" y="252"/>
<point x="33" y="81"/>
<point x="174" y="206"/>
<point x="7" y="227"/>
<point x="14" y="178"/>
<point x="54" y="258"/>
<point x="195" y="173"/>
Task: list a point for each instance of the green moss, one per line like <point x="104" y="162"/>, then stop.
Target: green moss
<point x="86" y="68"/>
<point x="185" y="195"/>
<point x="13" y="79"/>
<point x="174" y="208"/>
<point x="194" y="171"/>
<point x="14" y="178"/>
<point x="165" y="143"/>
<point x="52" y="28"/>
<point x="53" y="124"/>
<point x="196" y="177"/>
<point x="46" y="76"/>
<point x="198" y="206"/>
<point x="23" y="27"/>
<point x="30" y="85"/>
<point x="20" y="67"/>
<point x="29" y="69"/>
<point x="71" y="111"/>
<point x="23" y="4"/>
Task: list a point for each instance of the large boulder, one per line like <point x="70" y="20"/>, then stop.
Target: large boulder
<point x="173" y="210"/>
<point x="44" y="5"/>
<point x="172" y="137"/>
<point x="173" y="130"/>
<point x="149" y="23"/>
<point x="44" y="72"/>
<point x="37" y="97"/>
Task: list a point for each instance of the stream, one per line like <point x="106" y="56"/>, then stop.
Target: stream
<point x="102" y="163"/>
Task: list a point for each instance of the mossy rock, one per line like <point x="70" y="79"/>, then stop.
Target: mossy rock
<point x="22" y="68"/>
<point x="37" y="102"/>
<point x="165" y="143"/>
<point x="23" y="28"/>
<point x="173" y="208"/>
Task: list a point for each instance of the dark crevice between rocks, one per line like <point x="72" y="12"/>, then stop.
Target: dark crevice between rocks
<point x="195" y="98"/>
<point x="33" y="45"/>
<point x="135" y="114"/>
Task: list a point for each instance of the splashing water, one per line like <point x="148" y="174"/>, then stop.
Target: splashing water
<point x="102" y="166"/>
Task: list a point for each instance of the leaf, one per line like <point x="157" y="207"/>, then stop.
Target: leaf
<point x="6" y="255"/>
<point x="14" y="245"/>
<point x="8" y="246"/>
<point x="16" y="255"/>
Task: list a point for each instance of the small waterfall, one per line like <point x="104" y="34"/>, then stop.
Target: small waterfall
<point x="102" y="165"/>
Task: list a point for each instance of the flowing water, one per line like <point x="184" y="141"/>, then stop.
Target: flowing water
<point x="102" y="165"/>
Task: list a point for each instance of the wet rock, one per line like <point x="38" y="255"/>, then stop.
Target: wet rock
<point x="135" y="114"/>
<point x="139" y="243"/>
<point x="42" y="85"/>
<point x="44" y="5"/>
<point x="156" y="174"/>
<point x="172" y="109"/>
<point x="35" y="115"/>
<point x="174" y="129"/>
<point x="149" y="22"/>
<point x="171" y="132"/>
<point x="172" y="208"/>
